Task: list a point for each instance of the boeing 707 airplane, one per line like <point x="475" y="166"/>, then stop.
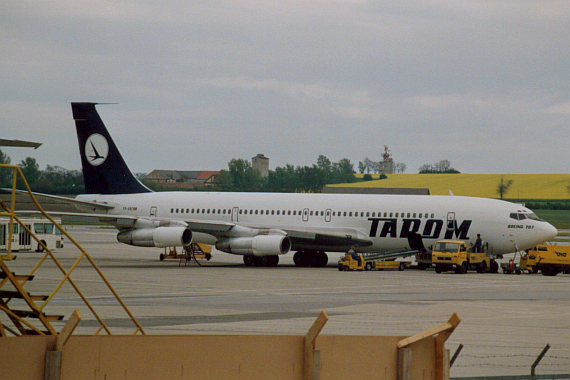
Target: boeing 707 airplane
<point x="262" y="226"/>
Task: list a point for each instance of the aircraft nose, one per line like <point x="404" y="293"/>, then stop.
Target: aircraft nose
<point x="549" y="231"/>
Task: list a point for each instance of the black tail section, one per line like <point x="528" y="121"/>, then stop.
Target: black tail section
<point x="104" y="170"/>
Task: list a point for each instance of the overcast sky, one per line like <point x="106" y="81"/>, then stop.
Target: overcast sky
<point x="483" y="84"/>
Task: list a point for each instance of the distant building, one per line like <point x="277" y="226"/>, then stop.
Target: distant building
<point x="386" y="166"/>
<point x="261" y="164"/>
<point x="183" y="179"/>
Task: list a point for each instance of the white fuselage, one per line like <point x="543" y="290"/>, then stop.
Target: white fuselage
<point x="385" y="219"/>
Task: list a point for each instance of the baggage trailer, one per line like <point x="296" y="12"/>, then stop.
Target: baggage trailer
<point x="376" y="260"/>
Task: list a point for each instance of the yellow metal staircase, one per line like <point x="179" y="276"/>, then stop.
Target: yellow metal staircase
<point x="19" y="318"/>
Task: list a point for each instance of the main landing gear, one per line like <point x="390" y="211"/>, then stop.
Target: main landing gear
<point x="260" y="261"/>
<point x="310" y="259"/>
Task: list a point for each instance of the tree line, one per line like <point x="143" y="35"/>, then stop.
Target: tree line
<point x="240" y="176"/>
<point x="52" y="180"/>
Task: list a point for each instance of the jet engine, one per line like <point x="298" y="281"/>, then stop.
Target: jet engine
<point x="261" y="245"/>
<point x="156" y="237"/>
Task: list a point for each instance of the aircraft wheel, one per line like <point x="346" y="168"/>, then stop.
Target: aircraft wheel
<point x="260" y="261"/>
<point x="302" y="259"/>
<point x="320" y="259"/>
<point x="297" y="258"/>
<point x="482" y="267"/>
<point x="248" y="260"/>
<point x="272" y="261"/>
<point x="161" y="257"/>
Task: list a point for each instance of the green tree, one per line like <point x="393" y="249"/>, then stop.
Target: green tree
<point x="503" y="187"/>
<point x="5" y="174"/>
<point x="30" y="170"/>
<point x="443" y="166"/>
<point x="282" y="180"/>
<point x="240" y="176"/>
<point x="59" y="180"/>
<point x="342" y="172"/>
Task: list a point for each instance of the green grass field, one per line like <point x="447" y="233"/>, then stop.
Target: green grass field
<point x="558" y="218"/>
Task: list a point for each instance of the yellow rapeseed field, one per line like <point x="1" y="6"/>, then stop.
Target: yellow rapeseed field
<point x="525" y="186"/>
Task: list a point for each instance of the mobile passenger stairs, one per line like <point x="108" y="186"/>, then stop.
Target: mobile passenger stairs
<point x="23" y="310"/>
<point x="193" y="252"/>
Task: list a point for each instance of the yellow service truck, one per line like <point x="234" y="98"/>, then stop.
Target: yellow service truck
<point x="549" y="259"/>
<point x="455" y="255"/>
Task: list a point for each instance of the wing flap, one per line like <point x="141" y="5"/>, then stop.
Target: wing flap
<point x="327" y="238"/>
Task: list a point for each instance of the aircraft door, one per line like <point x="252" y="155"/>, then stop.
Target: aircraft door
<point x="450" y="221"/>
<point x="328" y="213"/>
<point x="153" y="211"/>
<point x="305" y="215"/>
<point x="25" y="238"/>
<point x="235" y="212"/>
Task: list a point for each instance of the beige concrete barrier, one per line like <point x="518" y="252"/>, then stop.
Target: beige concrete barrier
<point x="225" y="357"/>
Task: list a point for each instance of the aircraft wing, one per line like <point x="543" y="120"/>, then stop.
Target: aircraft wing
<point x="95" y="206"/>
<point x="20" y="143"/>
<point x="301" y="237"/>
<point x="307" y="237"/>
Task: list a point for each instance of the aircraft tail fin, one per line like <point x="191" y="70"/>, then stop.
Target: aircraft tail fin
<point x="104" y="170"/>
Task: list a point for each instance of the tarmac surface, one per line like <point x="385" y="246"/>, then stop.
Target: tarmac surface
<point x="506" y="319"/>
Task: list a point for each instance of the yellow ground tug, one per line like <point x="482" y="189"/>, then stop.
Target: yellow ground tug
<point x="455" y="255"/>
<point x="549" y="259"/>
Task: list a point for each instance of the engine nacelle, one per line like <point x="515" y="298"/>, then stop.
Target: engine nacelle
<point x="261" y="245"/>
<point x="157" y="237"/>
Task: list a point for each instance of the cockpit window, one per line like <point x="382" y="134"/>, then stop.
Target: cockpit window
<point x="533" y="216"/>
<point x="521" y="216"/>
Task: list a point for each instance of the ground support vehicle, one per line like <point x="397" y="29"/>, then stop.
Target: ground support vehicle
<point x="22" y="240"/>
<point x="193" y="252"/>
<point x="376" y="260"/>
<point x="455" y="255"/>
<point x="424" y="261"/>
<point x="387" y="264"/>
<point x="511" y="267"/>
<point x="549" y="259"/>
<point x="347" y="263"/>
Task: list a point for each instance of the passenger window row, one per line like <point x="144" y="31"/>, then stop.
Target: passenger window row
<point x="300" y="212"/>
